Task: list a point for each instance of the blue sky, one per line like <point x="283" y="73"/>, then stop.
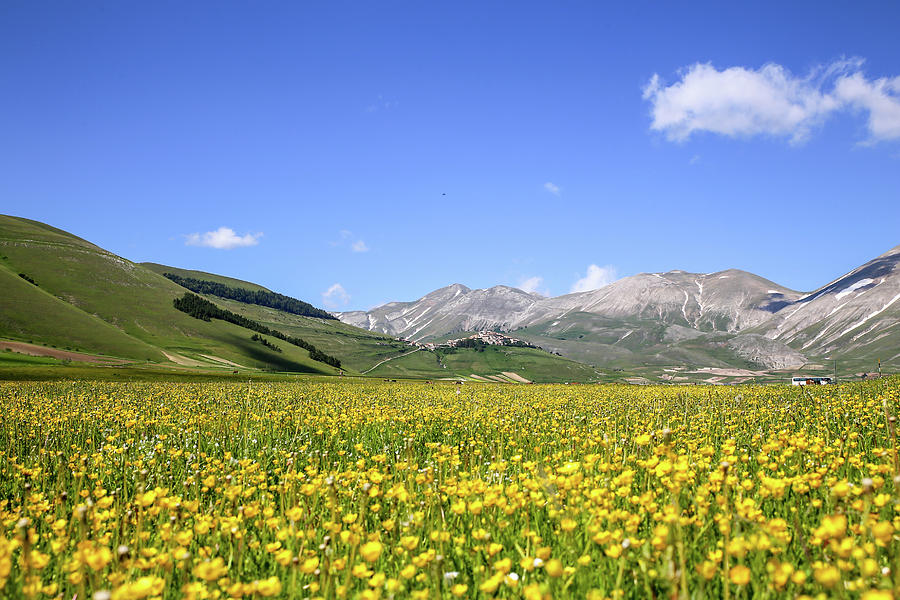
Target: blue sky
<point x="392" y="148"/>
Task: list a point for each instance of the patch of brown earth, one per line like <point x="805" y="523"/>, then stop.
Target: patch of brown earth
<point x="515" y="376"/>
<point x="35" y="350"/>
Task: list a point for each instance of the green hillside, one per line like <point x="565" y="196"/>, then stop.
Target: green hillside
<point x="357" y="348"/>
<point x="493" y="363"/>
<point x="93" y="300"/>
<point x="625" y="343"/>
<point x="32" y="314"/>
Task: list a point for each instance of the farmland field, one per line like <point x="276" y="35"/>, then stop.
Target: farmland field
<point x="364" y="489"/>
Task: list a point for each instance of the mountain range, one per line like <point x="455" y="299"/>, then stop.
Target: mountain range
<point x="65" y="293"/>
<point x="725" y="318"/>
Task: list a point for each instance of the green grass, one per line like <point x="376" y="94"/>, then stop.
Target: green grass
<point x="33" y="314"/>
<point x="631" y="343"/>
<point x="534" y="365"/>
<point x="27" y="371"/>
<point x="421" y="365"/>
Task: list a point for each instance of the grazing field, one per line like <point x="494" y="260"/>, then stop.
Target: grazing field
<point x="361" y="489"/>
<point x="532" y="364"/>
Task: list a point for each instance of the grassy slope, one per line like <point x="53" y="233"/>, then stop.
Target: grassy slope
<point x="625" y="343"/>
<point x="21" y="367"/>
<point x="357" y="349"/>
<point x="30" y="313"/>
<point x="91" y="283"/>
<point x="229" y="281"/>
<point x="531" y="364"/>
<point x="535" y="365"/>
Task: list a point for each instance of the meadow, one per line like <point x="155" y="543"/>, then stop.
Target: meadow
<point x="364" y="489"/>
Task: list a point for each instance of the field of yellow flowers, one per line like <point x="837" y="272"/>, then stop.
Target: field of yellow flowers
<point x="383" y="490"/>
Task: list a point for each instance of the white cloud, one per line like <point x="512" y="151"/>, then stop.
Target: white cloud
<point x="596" y="278"/>
<point x="531" y="285"/>
<point x="223" y="238"/>
<point x="744" y="102"/>
<point x="880" y="97"/>
<point x="359" y="246"/>
<point x="335" y="297"/>
<point x="552" y="188"/>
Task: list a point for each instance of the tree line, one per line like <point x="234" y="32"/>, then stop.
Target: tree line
<point x="258" y="338"/>
<point x="258" y="297"/>
<point x="201" y="308"/>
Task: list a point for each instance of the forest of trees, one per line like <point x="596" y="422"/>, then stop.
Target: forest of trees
<point x="258" y="297"/>
<point x="201" y="308"/>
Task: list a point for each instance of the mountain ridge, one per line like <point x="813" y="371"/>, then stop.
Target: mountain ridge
<point x="754" y="317"/>
<point x="643" y="294"/>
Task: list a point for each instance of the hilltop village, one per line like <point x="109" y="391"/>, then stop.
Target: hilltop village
<point x="482" y="338"/>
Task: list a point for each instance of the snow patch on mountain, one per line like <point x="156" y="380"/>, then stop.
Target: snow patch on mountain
<point x="853" y="287"/>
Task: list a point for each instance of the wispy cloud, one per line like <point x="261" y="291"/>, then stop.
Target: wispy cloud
<point x="344" y="237"/>
<point x="552" y="188"/>
<point x="771" y="101"/>
<point x="532" y="285"/>
<point x="223" y="238"/>
<point x="595" y="278"/>
<point x="335" y="297"/>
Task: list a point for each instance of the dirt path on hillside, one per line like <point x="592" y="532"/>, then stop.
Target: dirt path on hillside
<point x="386" y="360"/>
<point x="222" y="360"/>
<point x="184" y="361"/>
<point x="35" y="350"/>
<point x="515" y="376"/>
